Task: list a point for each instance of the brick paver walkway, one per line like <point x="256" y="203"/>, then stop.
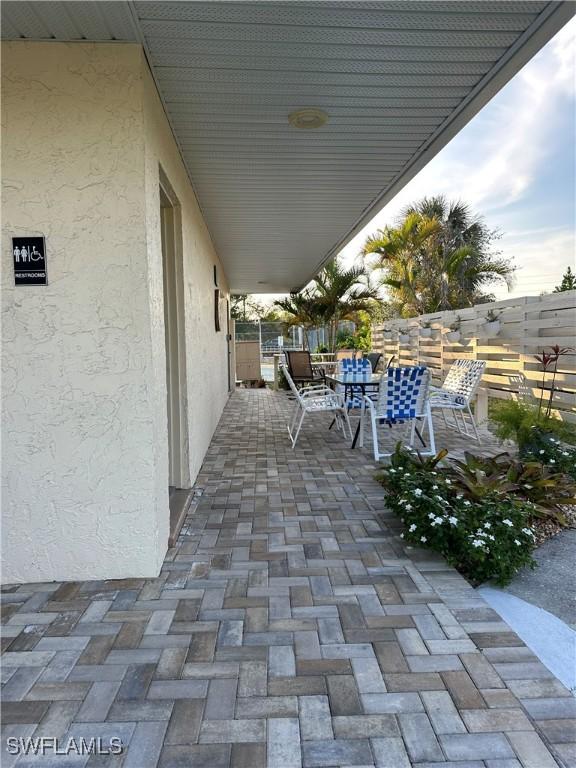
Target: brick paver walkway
<point x="289" y="627"/>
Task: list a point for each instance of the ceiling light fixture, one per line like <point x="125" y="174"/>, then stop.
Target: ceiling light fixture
<point x="307" y="118"/>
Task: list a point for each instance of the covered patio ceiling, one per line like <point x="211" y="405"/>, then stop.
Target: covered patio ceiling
<point x="397" y="80"/>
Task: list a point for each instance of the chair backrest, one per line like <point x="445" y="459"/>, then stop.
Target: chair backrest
<point x="523" y="389"/>
<point x="285" y="370"/>
<point x="403" y="392"/>
<point x="374" y="358"/>
<point x="464" y="378"/>
<point x="299" y="364"/>
<point x="354" y="365"/>
<point x="390" y="361"/>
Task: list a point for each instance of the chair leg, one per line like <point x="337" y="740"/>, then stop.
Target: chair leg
<point x="455" y="417"/>
<point x="474" y="425"/>
<point x="412" y="425"/>
<point x="374" y="436"/>
<point x="464" y="425"/>
<point x="347" y="422"/>
<point x="293" y="419"/>
<point x="295" y="438"/>
<point x="362" y="417"/>
<point x="430" y="423"/>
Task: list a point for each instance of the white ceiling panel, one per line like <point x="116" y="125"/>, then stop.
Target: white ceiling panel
<point x="396" y="79"/>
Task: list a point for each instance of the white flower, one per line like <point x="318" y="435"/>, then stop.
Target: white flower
<point x="438" y="520"/>
<point x="392" y="470"/>
<point x="487" y="525"/>
<point x="431" y="515"/>
<point x="412" y="528"/>
<point x="552" y="461"/>
<point x="492" y="538"/>
<point x="408" y="507"/>
<point x="434" y="487"/>
<point x="448" y="481"/>
<point x="401" y="535"/>
<point x="527" y="486"/>
<point x="518" y="544"/>
<point x="565" y="453"/>
<point x="477" y="543"/>
<point x="453" y="520"/>
<point x="417" y="492"/>
<point x="459" y="495"/>
<point x="507" y="522"/>
<point x="528" y="532"/>
<point x="439" y="498"/>
<point x="542" y="451"/>
<point x="423" y="539"/>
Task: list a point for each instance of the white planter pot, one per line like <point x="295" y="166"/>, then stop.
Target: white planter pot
<point x="493" y="328"/>
<point x="426" y="332"/>
<point x="453" y="336"/>
<point x="404" y="338"/>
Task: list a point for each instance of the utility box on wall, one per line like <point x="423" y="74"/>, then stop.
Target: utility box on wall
<point x="248" y="361"/>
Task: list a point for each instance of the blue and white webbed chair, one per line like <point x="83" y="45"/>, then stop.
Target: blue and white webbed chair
<point x="351" y="367"/>
<point x="316" y="399"/>
<point x="402" y="400"/>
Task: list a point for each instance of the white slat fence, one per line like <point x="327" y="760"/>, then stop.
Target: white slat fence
<point x="528" y="325"/>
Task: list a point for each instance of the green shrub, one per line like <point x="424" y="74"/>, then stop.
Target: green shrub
<point x="525" y="424"/>
<point x="555" y="455"/>
<point x="487" y="538"/>
<point x="506" y="477"/>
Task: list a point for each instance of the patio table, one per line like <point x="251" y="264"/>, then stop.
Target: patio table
<point x="365" y="382"/>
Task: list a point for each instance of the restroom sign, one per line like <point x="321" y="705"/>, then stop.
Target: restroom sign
<point x="29" y="254"/>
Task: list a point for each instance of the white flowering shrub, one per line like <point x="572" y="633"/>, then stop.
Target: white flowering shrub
<point x="486" y="539"/>
<point x="555" y="455"/>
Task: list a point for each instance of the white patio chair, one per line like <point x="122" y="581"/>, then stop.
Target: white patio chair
<point x="523" y="388"/>
<point x="316" y="399"/>
<point x="457" y="392"/>
<point x="402" y="399"/>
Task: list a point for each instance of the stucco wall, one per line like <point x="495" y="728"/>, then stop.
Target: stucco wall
<point x="84" y="448"/>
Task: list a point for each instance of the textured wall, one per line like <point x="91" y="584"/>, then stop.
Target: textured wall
<point x="206" y="354"/>
<point x="84" y="399"/>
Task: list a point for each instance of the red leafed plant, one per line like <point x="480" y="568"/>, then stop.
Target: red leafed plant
<point x="549" y="360"/>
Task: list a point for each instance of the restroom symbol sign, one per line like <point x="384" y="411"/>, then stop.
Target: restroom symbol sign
<point x="29" y="255"/>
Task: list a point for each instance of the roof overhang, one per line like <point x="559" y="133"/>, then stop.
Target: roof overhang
<point x="397" y="80"/>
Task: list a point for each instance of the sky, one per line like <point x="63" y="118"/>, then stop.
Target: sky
<point x="515" y="164"/>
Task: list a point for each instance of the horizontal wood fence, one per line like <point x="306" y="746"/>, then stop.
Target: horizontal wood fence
<point x="528" y="326"/>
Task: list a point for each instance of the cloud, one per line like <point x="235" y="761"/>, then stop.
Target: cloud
<point x="496" y="159"/>
<point x="541" y="260"/>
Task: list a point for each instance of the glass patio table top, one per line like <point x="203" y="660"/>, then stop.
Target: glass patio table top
<point x="360" y="379"/>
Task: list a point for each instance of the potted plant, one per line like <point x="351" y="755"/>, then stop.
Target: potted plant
<point x="453" y="333"/>
<point x="426" y="329"/>
<point x="492" y="324"/>
<point x="404" y="336"/>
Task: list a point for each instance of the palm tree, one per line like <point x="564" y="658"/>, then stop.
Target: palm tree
<point x="301" y="309"/>
<point x="399" y="252"/>
<point x="341" y="294"/>
<point x="438" y="257"/>
<point x="336" y="294"/>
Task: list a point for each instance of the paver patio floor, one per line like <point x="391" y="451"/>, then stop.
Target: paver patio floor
<point x="289" y="627"/>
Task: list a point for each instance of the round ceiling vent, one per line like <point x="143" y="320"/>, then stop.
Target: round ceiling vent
<point x="308" y="118"/>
